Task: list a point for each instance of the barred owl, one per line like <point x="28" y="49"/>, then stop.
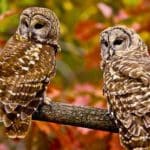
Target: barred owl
<point x="27" y="64"/>
<point x="126" y="66"/>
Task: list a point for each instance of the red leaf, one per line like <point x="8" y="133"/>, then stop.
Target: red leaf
<point x="87" y="29"/>
<point x="103" y="134"/>
<point x="115" y="143"/>
<point x="44" y="127"/>
<point x="92" y="59"/>
<point x="2" y="43"/>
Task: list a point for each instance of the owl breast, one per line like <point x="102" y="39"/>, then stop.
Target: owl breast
<point x="26" y="69"/>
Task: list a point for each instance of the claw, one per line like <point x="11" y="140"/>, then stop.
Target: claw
<point x="47" y="100"/>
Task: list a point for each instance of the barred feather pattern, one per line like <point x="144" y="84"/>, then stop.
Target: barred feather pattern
<point x="26" y="68"/>
<point x="129" y="101"/>
<point x="127" y="88"/>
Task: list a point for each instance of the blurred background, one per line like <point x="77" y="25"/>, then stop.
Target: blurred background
<point x="79" y="78"/>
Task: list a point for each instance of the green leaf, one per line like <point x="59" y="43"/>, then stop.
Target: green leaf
<point x="131" y="3"/>
<point x="3" y="6"/>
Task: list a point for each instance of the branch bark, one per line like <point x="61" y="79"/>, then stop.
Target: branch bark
<point x="88" y="117"/>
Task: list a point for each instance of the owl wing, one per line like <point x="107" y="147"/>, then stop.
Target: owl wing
<point x="138" y="69"/>
<point x="133" y="97"/>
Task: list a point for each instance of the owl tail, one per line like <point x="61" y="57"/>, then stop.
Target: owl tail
<point x="17" y="128"/>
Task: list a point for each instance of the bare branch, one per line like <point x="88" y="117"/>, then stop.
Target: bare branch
<point x="87" y="117"/>
<point x="8" y="13"/>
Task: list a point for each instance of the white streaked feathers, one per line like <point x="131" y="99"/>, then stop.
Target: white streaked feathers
<point x="126" y="65"/>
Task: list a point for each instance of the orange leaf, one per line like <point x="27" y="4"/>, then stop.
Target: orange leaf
<point x="44" y="127"/>
<point x="87" y="29"/>
<point x="122" y="15"/>
<point x="2" y="43"/>
<point x="115" y="143"/>
<point x="102" y="134"/>
<point x="53" y="92"/>
<point x="92" y="59"/>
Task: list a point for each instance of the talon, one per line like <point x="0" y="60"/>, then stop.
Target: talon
<point x="47" y="100"/>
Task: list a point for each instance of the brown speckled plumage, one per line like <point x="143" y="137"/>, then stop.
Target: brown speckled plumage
<point x="126" y="66"/>
<point x="27" y="64"/>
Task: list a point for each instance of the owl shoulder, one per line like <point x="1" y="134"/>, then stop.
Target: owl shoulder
<point x="138" y="69"/>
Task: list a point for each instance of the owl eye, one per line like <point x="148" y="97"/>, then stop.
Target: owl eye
<point x="105" y="43"/>
<point x="38" y="26"/>
<point x="25" y="23"/>
<point x="118" y="42"/>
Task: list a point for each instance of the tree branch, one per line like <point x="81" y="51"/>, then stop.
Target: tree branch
<point x="87" y="117"/>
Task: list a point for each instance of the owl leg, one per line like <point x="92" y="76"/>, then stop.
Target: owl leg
<point x="110" y="112"/>
<point x="18" y="128"/>
<point x="47" y="99"/>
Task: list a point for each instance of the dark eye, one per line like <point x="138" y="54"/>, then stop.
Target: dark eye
<point x="25" y="23"/>
<point x="38" y="26"/>
<point x="105" y="43"/>
<point x="118" y="41"/>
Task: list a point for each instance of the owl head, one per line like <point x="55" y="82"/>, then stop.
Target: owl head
<point x="39" y="25"/>
<point x="120" y="40"/>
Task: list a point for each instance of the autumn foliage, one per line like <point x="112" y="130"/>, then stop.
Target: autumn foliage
<point x="79" y="78"/>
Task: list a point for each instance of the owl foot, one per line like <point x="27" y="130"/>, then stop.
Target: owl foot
<point x="47" y="100"/>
